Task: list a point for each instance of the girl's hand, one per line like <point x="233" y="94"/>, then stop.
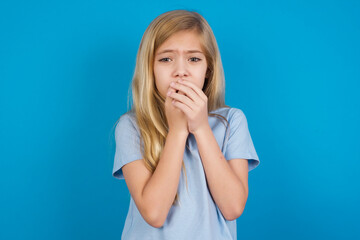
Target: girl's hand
<point x="176" y="119"/>
<point x="193" y="104"/>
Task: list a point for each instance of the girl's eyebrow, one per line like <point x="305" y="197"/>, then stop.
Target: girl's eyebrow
<point x="188" y="51"/>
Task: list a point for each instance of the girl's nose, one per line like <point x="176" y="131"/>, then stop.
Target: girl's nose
<point x="181" y="68"/>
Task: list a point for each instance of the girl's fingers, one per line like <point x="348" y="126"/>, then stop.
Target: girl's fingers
<point x="195" y="88"/>
<point x="171" y="90"/>
<point x="186" y="109"/>
<point x="180" y="96"/>
<point x="183" y="99"/>
<point x="188" y="91"/>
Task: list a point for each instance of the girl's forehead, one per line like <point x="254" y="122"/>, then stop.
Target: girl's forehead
<point x="182" y="42"/>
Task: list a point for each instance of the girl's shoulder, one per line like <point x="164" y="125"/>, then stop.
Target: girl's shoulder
<point x="229" y="112"/>
<point x="126" y="120"/>
<point x="130" y="114"/>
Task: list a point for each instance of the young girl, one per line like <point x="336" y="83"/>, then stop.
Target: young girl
<point x="183" y="153"/>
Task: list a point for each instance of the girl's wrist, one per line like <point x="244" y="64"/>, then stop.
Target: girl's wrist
<point x="179" y="133"/>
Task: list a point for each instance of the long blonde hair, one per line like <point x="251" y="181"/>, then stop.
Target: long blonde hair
<point x="148" y="104"/>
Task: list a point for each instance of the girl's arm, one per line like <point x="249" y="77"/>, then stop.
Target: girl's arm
<point x="228" y="181"/>
<point x="154" y="193"/>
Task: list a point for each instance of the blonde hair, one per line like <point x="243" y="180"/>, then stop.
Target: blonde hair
<point x="148" y="104"/>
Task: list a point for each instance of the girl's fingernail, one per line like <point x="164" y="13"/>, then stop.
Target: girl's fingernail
<point x="168" y="93"/>
<point x="172" y="84"/>
<point x="180" y="80"/>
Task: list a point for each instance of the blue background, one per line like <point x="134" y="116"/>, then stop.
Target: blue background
<point x="65" y="70"/>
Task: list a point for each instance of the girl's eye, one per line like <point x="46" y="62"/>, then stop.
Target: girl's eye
<point x="162" y="60"/>
<point x="193" y="59"/>
<point x="196" y="59"/>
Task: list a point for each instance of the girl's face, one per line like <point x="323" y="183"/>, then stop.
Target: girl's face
<point x="180" y="56"/>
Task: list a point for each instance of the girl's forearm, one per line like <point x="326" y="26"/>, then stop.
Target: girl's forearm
<point x="226" y="189"/>
<point x="159" y="192"/>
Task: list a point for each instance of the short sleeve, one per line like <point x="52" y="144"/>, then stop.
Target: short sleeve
<point x="238" y="143"/>
<point x="127" y="140"/>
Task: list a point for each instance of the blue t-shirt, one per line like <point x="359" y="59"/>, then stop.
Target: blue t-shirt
<point x="197" y="216"/>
